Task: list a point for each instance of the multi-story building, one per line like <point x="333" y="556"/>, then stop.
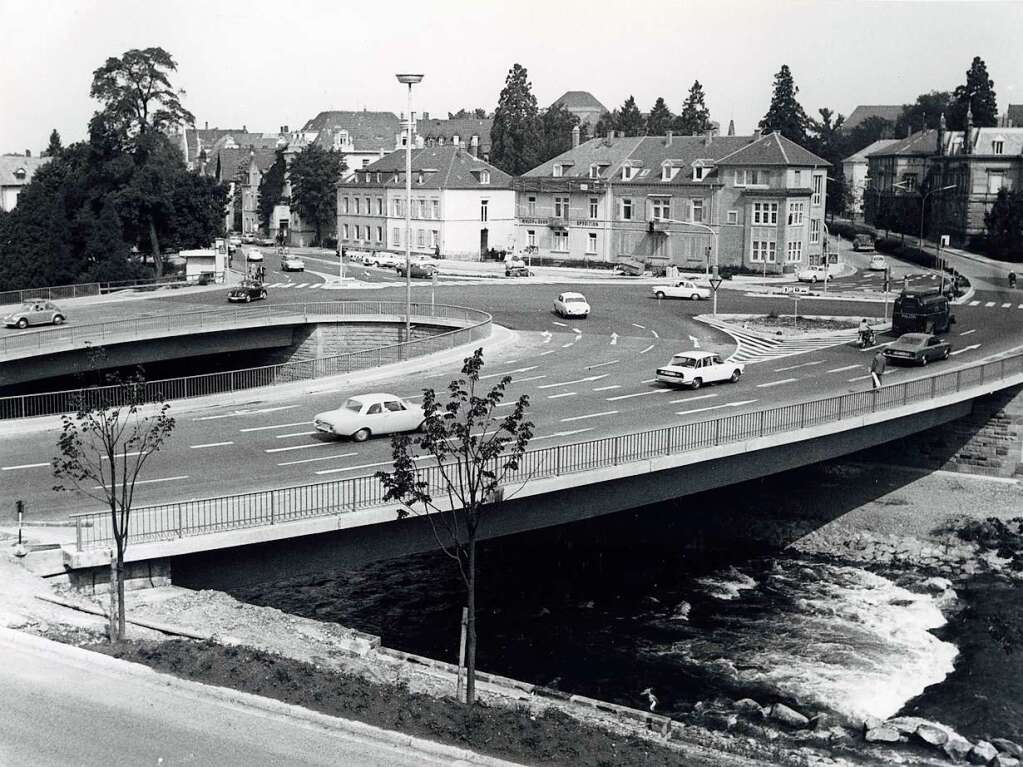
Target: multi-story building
<point x="362" y="136"/>
<point x="668" y="199"/>
<point x="241" y="170"/>
<point x="583" y="105"/>
<point x="16" y="170"/>
<point x="461" y="205"/>
<point x="472" y="132"/>
<point x="855" y="170"/>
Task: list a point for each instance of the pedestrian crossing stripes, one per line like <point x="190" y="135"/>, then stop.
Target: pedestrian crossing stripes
<point x="994" y="304"/>
<point x="752" y="347"/>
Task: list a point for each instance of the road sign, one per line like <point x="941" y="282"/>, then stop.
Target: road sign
<point x="715" y="283"/>
<point x="944" y="240"/>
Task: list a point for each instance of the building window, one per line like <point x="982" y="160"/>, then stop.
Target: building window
<point x="484" y="176"/>
<point x="591" y="243"/>
<point x="909" y="182"/>
<point x="733" y="217"/>
<point x="434" y="239"/>
<point x="797" y="178"/>
<point x="531" y="206"/>
<point x="763" y="251"/>
<point x="794" y="251"/>
<point x="765" y="213"/>
<point x="995" y="181"/>
<point x="594" y="202"/>
<point x="344" y="204"/>
<point x="531" y="238"/>
<point x="667" y="173"/>
<point x="483" y="209"/>
<point x="997" y="147"/>
<point x="698" y="173"/>
<point x="558" y="171"/>
<point x="380" y="206"/>
<point x="627" y="173"/>
<point x="365" y="163"/>
<point x="357" y="207"/>
<point x="626" y="209"/>
<point x="421" y="238"/>
<point x="594" y="171"/>
<point x="396" y="237"/>
<point x="697" y="209"/>
<point x="795" y="213"/>
<point x="369" y="206"/>
<point x="561" y="241"/>
<point x="818" y="189"/>
<point x="435" y="205"/>
<point x="560" y="207"/>
<point x="397" y="207"/>
<point x="661" y="207"/>
<point x="747" y="177"/>
<point x="815" y="231"/>
<point x="344" y="231"/>
<point x="380" y="234"/>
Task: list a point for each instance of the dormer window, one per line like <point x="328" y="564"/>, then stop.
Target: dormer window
<point x="419" y="179"/>
<point x="20" y="173"/>
<point x="698" y="171"/>
<point x="394" y="179"/>
<point x="668" y="172"/>
<point x="559" y="171"/>
<point x="997" y="146"/>
<point x="628" y="173"/>
<point x="484" y="176"/>
<point x="594" y="171"/>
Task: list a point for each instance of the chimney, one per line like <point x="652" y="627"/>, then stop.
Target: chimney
<point x="708" y="137"/>
<point x="941" y="134"/>
<point x="968" y="133"/>
<point x="420" y="142"/>
<point x="575" y="136"/>
<point x="426" y="115"/>
<point x="474" y="146"/>
<point x="454" y="140"/>
<point x="667" y="138"/>
<point x="207" y="125"/>
<point x="731" y="127"/>
<point x="245" y="128"/>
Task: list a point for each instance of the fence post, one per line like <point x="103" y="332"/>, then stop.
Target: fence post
<point x="614" y="452"/>
<point x="717" y="431"/>
<point x="78" y="533"/>
<point x="802" y="415"/>
<point x="934" y="382"/>
<point x="273" y="496"/>
<point x="958" y="379"/>
<point x="557" y="461"/>
<point x="181" y="521"/>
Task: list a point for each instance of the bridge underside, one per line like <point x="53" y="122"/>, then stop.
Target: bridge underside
<point x="227" y="568"/>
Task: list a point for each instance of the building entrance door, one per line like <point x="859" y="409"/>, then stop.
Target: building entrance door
<point x="484" y="236"/>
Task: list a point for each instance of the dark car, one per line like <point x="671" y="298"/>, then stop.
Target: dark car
<point x="418" y="269"/>
<point x="516" y="271"/>
<point x="918" y="349"/>
<point x="249" y="290"/>
<point x="863" y="242"/>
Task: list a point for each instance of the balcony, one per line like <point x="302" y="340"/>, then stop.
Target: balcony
<point x="535" y="220"/>
<point x="557" y="222"/>
<point x="658" y="225"/>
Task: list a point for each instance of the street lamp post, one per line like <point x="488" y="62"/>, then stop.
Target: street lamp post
<point x="409" y="80"/>
<point x="923" y="207"/>
<point x="714" y="268"/>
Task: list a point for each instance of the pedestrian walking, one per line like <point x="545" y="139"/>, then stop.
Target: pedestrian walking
<point x="877" y="366"/>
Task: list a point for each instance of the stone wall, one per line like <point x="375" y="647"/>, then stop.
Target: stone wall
<point x="327" y="339"/>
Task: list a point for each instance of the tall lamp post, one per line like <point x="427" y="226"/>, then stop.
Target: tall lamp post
<point x="923" y="208"/>
<point x="409" y="80"/>
<point x="714" y="268"/>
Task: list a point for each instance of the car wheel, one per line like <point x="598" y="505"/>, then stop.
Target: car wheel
<point x="736" y="375"/>
<point x="694" y="297"/>
<point x="813" y="280"/>
<point x="361" y="435"/>
<point x="923" y="361"/>
<point x="697" y="383"/>
<point x="376" y="264"/>
<point x="58" y="319"/>
<point x="945" y="353"/>
<point x="659" y="294"/>
<point x="262" y="294"/>
<point x="248" y="298"/>
<point x="23" y="323"/>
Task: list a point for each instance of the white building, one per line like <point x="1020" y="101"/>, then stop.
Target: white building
<point x="16" y="170"/>
<point x="854" y="168"/>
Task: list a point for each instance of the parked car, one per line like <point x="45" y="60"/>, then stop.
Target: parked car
<point x="368" y="414"/>
<point x="878" y="263"/>
<point x="681" y="289"/>
<point x="35" y="313"/>
<point x="417" y="268"/>
<point x="381" y="259"/>
<point x="863" y="242"/>
<point x="814" y="273"/>
<point x="694" y="369"/>
<point x="918" y="349"/>
<point x="253" y="256"/>
<point x="292" y="264"/>
<point x="248" y="290"/>
<point x="571" y="305"/>
<point x="517" y="270"/>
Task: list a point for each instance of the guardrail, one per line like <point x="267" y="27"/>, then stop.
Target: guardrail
<point x="270" y="507"/>
<point x="58" y="292"/>
<point x="184" y="387"/>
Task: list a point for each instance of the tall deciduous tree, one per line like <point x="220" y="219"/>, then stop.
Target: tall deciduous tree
<point x="474" y="452"/>
<point x="924" y="113"/>
<point x="660" y="120"/>
<point x="868" y="131"/>
<point x="1004" y="223"/>
<point x="515" y="134"/>
<point x="828" y="140"/>
<point x="978" y="94"/>
<point x="629" y="121"/>
<point x="694" y="117"/>
<point x="271" y="189"/>
<point x="785" y="114"/>
<point x="102" y="451"/>
<point x="556" y="124"/>
<point x="477" y="114"/>
<point x="315" y="173"/>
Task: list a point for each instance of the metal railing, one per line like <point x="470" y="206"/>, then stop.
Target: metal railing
<point x="477" y="325"/>
<point x="80" y="290"/>
<point x="269" y="507"/>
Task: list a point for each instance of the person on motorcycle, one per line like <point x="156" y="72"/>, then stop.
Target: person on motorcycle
<point x="866" y="333"/>
<point x="1012" y="279"/>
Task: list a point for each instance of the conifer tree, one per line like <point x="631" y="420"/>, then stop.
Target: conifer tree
<point x="660" y="120"/>
<point x="629" y="120"/>
<point x="977" y="94"/>
<point x="515" y="134"/>
<point x="55" y="147"/>
<point x="694" y="117"/>
<point x="785" y="114"/>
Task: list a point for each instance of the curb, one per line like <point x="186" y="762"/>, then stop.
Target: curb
<point x="349" y="727"/>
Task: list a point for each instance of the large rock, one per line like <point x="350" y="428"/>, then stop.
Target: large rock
<point x="782" y="713"/>
<point x="883" y="734"/>
<point x="749" y="707"/>
<point x="931" y="735"/>
<point x="1004" y="760"/>
<point x="957" y="748"/>
<point x="1007" y="747"/>
<point x="982" y="753"/>
<point x="937" y="584"/>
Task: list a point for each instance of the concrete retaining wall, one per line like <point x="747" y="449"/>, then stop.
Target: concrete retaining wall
<point x="328" y="339"/>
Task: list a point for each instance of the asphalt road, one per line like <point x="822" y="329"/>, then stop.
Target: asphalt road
<point x="65" y="706"/>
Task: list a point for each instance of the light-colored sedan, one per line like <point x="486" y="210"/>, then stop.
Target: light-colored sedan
<point x="878" y="263"/>
<point x="814" y="273"/>
<point x="681" y="289"/>
<point x="292" y="264"/>
<point x="367" y="414"/>
<point x="35" y="313"/>
<point x="694" y="369"/>
<point x="381" y="258"/>
<point x="571" y="305"/>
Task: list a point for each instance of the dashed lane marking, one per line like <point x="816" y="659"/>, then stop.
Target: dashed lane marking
<point x="803" y="365"/>
<point x="571" y="383"/>
<point x="559" y="324"/>
<point x="602" y="364"/>
<point x="318" y="458"/>
<point x="974" y="303"/>
<point x="589" y="415"/>
<point x="651" y="346"/>
<point x="607" y="388"/>
<point x="563" y="394"/>
<point x="24" y="466"/>
<point x="776" y="383"/>
<point x="544" y="354"/>
<point x="355" y="468"/>
<point x="654" y="334"/>
<point x="210" y="444"/>
<point x="693" y="399"/>
<point x="1006" y="305"/>
<point x="149" y="481"/>
<point x="561" y="434"/>
<point x="237" y="413"/>
<point x="296" y="447"/>
<point x="842" y="369"/>
<point x="971" y="347"/>
<point x="578" y="332"/>
<point x="638" y="394"/>
<point x="989" y="304"/>
<point x="716" y="407"/>
<point x="967" y="332"/>
<point x="509" y="372"/>
<point x="293" y="434"/>
<point x="530" y="378"/>
<point x="641" y="327"/>
<point x="648" y="380"/>
<point x="277" y="426"/>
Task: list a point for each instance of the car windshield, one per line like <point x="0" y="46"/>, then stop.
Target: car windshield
<point x="912" y="340"/>
<point x="575" y="300"/>
<point x="355" y="405"/>
<point x="682" y="361"/>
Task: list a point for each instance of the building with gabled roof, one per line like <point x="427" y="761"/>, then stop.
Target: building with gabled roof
<point x="855" y="169"/>
<point x="462" y="206"/>
<point x="583" y="105"/>
<point x="666" y="200"/>
<point x="889" y="112"/>
<point x="16" y="171"/>
<point x="362" y="136"/>
<point x="471" y="132"/>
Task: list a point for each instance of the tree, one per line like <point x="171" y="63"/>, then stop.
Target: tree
<point x="977" y="94"/>
<point x="102" y="450"/>
<point x="474" y="452"/>
<point x="828" y="140"/>
<point x="136" y="92"/>
<point x="55" y="147"/>
<point x="785" y="114"/>
<point x="865" y="133"/>
<point x="315" y="173"/>
<point x="271" y="189"/>
<point x="106" y="252"/>
<point x="556" y="124"/>
<point x="605" y="124"/>
<point x="515" y="134"/>
<point x="629" y="120"/>
<point x="924" y="113"/>
<point x="660" y="120"/>
<point x="1004" y="224"/>
<point x="476" y="114"/>
<point x="694" y="117"/>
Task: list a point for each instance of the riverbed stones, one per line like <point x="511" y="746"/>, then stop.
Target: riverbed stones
<point x="957" y="748"/>
<point x="1004" y="760"/>
<point x="1007" y="747"/>
<point x="982" y="753"/>
<point x="931" y="735"/>
<point x="750" y="708"/>
<point x="782" y="713"/>
<point x="883" y="734"/>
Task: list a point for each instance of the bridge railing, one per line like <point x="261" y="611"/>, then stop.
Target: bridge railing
<point x="83" y="289"/>
<point x="269" y="507"/>
<point x="184" y="387"/>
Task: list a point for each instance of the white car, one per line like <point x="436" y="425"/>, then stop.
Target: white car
<point x="292" y="264"/>
<point x="253" y="256"/>
<point x="382" y="259"/>
<point x="694" y="369"/>
<point x="681" y="289"/>
<point x="878" y="263"/>
<point x="813" y="274"/>
<point x="368" y="414"/>
<point x="571" y="305"/>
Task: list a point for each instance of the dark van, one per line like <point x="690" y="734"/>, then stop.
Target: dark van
<point x="922" y="311"/>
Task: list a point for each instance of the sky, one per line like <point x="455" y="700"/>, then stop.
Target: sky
<point x="264" y="64"/>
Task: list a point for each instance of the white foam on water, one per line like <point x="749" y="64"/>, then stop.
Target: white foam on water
<point x="728" y="585"/>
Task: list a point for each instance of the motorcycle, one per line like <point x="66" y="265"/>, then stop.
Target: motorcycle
<point x="867" y="338"/>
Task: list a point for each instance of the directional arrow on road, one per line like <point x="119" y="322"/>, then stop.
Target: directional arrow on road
<point x="696" y="342"/>
<point x="547" y="336"/>
<point x="966" y="349"/>
<point x="614" y="339"/>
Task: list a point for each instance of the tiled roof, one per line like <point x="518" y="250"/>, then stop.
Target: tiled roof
<point x="1015" y="114"/>
<point x="11" y="163"/>
<point x="264" y="158"/>
<point x="773" y="149"/>
<point x="982" y="138"/>
<point x="861" y="156"/>
<point x="890" y="112"/>
<point x="368" y="131"/>
<point x="919" y="143"/>
<point x="463" y="127"/>
<point x="579" y="100"/>
<point x="443" y="167"/>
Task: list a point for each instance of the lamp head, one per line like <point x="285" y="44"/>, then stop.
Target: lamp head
<point x="409" y="79"/>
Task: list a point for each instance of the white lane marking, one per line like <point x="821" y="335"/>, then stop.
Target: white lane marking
<point x="803" y="365"/>
<point x="296" y="447"/>
<point x="638" y="394"/>
<point x="303" y="285"/>
<point x="603" y="364"/>
<point x="654" y="332"/>
<point x="561" y="434"/>
<point x="590" y="415"/>
<point x="559" y="396"/>
<point x="776" y="383"/>
<point x="320" y="458"/>
<point x="577" y="331"/>
<point x="641" y="327"/>
<point x="716" y="407"/>
<point x="1020" y="306"/>
<point x="24" y="466"/>
<point x="651" y="346"/>
<point x="691" y="399"/>
<point x="246" y="412"/>
<point x="559" y="324"/>
<point x="353" y="468"/>
<point x="119" y="455"/>
<point x="841" y="369"/>
<point x="148" y="481"/>
<point x="565" y="346"/>
<point x="278" y="426"/>
<point x="295" y="434"/>
<point x="210" y="444"/>
<point x="966" y="349"/>
<point x="570" y="383"/>
<point x="509" y="372"/>
<point x="531" y="378"/>
<point x="648" y="380"/>
<point x="544" y="354"/>
<point x="967" y="332"/>
<point x="614" y="337"/>
<point x="547" y="336"/>
<point x="989" y="304"/>
<point x="607" y="388"/>
<point x="1006" y="305"/>
<point x="974" y="303"/>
